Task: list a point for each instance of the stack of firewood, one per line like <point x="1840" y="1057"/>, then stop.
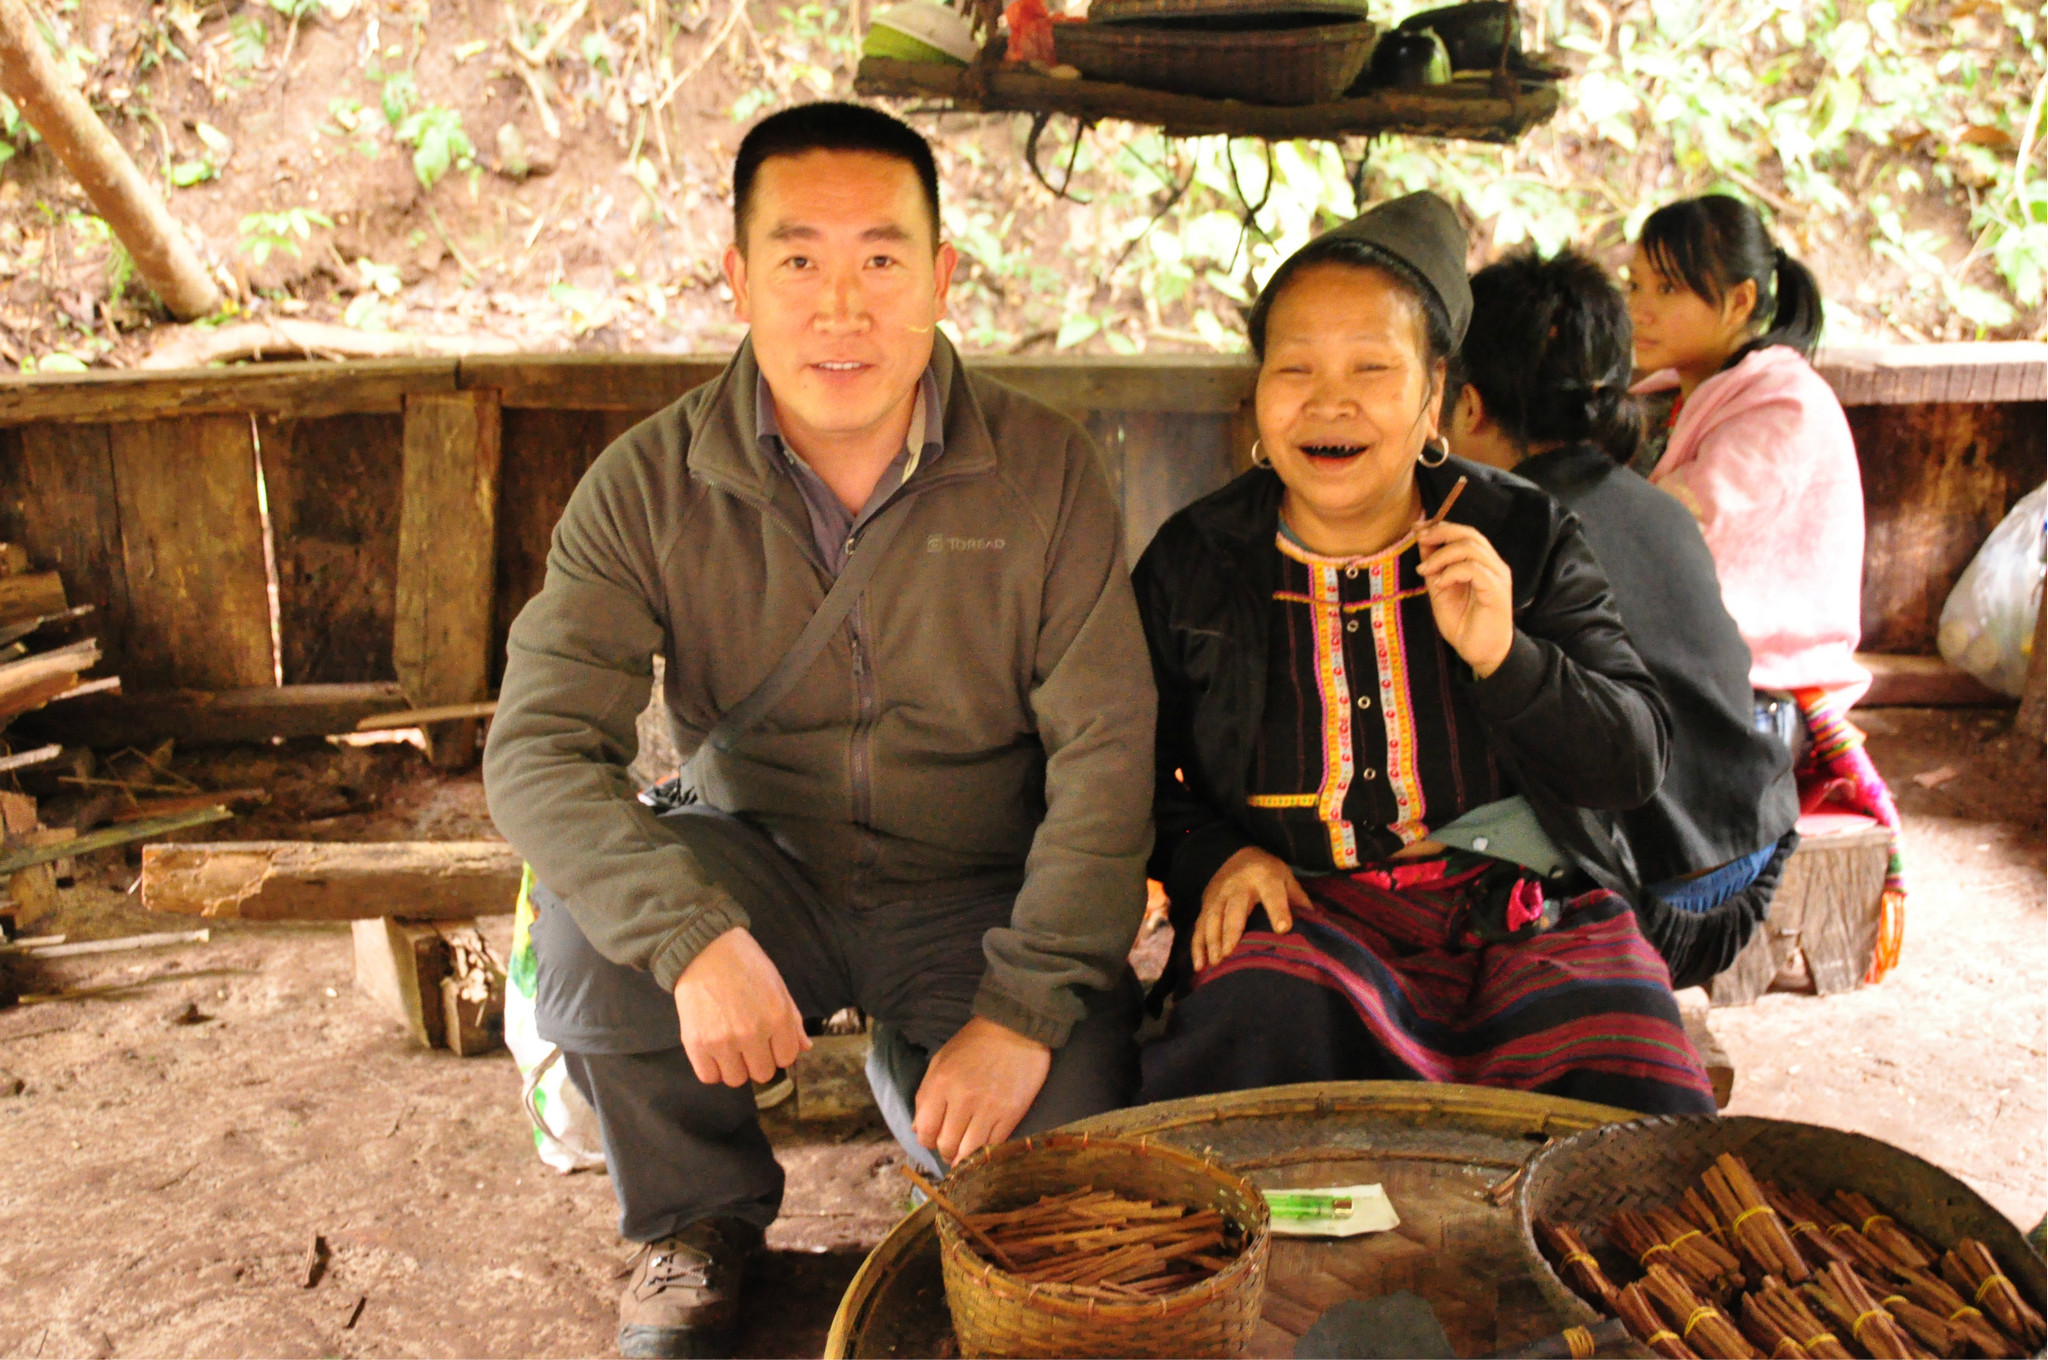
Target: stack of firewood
<point x="30" y="677"/>
<point x="102" y="802"/>
<point x="117" y="802"/>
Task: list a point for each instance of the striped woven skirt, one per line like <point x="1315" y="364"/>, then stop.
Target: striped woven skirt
<point x="1394" y="975"/>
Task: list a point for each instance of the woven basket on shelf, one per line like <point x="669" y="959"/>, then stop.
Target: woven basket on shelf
<point x="997" y="1314"/>
<point x="1580" y="1181"/>
<point x="1300" y="65"/>
<point x="1240" y="13"/>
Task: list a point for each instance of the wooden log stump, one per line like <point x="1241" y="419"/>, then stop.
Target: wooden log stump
<point x="339" y="881"/>
<point x="1825" y="917"/>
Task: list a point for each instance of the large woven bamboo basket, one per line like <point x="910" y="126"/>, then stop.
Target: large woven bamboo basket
<point x="997" y="1314"/>
<point x="1308" y="64"/>
<point x="1580" y="1181"/>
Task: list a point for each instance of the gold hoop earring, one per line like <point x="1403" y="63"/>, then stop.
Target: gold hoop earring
<point x="1443" y="452"/>
<point x="1259" y="458"/>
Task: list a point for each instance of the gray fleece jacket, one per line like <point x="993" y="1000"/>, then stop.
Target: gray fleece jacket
<point x="982" y="720"/>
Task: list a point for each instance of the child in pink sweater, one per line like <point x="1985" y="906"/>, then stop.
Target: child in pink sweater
<point x="1760" y="452"/>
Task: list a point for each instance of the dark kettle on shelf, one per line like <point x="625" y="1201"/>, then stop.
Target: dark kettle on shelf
<point x="1409" y="61"/>
<point x="1472" y="34"/>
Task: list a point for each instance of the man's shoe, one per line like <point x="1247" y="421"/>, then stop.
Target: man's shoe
<point x="683" y="1298"/>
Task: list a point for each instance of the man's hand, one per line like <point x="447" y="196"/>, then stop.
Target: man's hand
<point x="1248" y="880"/>
<point x="978" y="1088"/>
<point x="739" y="1023"/>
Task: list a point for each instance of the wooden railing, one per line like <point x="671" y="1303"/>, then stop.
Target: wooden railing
<point x="406" y="505"/>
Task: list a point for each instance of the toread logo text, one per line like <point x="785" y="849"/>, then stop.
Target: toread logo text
<point x="952" y="543"/>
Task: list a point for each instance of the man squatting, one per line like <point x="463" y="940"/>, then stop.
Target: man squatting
<point x="936" y="810"/>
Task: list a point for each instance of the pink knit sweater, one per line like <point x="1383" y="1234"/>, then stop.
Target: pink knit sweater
<point x="1762" y="456"/>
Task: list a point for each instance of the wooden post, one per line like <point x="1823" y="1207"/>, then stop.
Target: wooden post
<point x="447" y="558"/>
<point x="399" y="965"/>
<point x="162" y="255"/>
<point x="192" y="553"/>
<point x="437" y="979"/>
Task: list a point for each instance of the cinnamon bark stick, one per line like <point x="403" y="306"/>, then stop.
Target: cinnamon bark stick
<point x="1972" y="1269"/>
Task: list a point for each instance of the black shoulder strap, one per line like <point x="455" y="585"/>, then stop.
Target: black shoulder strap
<point x="868" y="551"/>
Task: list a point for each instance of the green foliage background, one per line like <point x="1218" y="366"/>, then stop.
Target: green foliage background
<point x="1908" y="131"/>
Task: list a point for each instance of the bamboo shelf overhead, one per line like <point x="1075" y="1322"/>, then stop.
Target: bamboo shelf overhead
<point x="1467" y="107"/>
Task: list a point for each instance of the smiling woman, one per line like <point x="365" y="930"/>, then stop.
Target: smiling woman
<point x="1390" y="739"/>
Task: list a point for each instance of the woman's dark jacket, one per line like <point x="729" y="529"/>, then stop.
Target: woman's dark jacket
<point x="1729" y="790"/>
<point x="1573" y="716"/>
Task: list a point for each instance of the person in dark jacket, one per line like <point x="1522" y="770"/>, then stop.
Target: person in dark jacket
<point x="902" y="660"/>
<point x="1541" y="390"/>
<point x="1381" y="728"/>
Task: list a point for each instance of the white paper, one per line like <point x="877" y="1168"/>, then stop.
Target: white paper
<point x="1371" y="1211"/>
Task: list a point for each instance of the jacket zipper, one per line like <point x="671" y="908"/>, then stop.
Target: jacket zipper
<point x="867" y="703"/>
<point x="867" y="709"/>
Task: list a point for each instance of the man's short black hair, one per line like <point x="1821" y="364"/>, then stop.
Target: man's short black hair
<point x="829" y="126"/>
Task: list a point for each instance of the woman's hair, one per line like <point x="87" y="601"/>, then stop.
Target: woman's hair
<point x="1713" y="244"/>
<point x="1550" y="350"/>
<point x="1436" y="319"/>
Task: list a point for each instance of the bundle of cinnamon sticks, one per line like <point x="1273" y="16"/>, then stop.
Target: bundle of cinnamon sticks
<point x="1103" y="1245"/>
<point x="1752" y="1269"/>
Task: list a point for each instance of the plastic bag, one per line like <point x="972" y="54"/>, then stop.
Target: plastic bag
<point x="565" y="1130"/>
<point x="1987" y="626"/>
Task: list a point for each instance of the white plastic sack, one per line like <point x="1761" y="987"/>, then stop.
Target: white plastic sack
<point x="565" y="1131"/>
<point x="1987" y="626"/>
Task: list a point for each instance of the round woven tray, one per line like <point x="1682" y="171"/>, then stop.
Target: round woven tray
<point x="997" y="1314"/>
<point x="1285" y="66"/>
<point x="1439" y="1150"/>
<point x="1580" y="1181"/>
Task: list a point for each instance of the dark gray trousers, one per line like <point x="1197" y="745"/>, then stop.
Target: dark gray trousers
<point x="679" y="1150"/>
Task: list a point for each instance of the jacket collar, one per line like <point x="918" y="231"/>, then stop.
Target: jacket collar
<point x="726" y="449"/>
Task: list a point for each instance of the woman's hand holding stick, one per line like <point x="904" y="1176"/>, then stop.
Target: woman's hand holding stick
<point x="1471" y="591"/>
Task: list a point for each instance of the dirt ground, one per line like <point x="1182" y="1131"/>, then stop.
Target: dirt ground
<point x="1947" y="1056"/>
<point x="173" y="1148"/>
